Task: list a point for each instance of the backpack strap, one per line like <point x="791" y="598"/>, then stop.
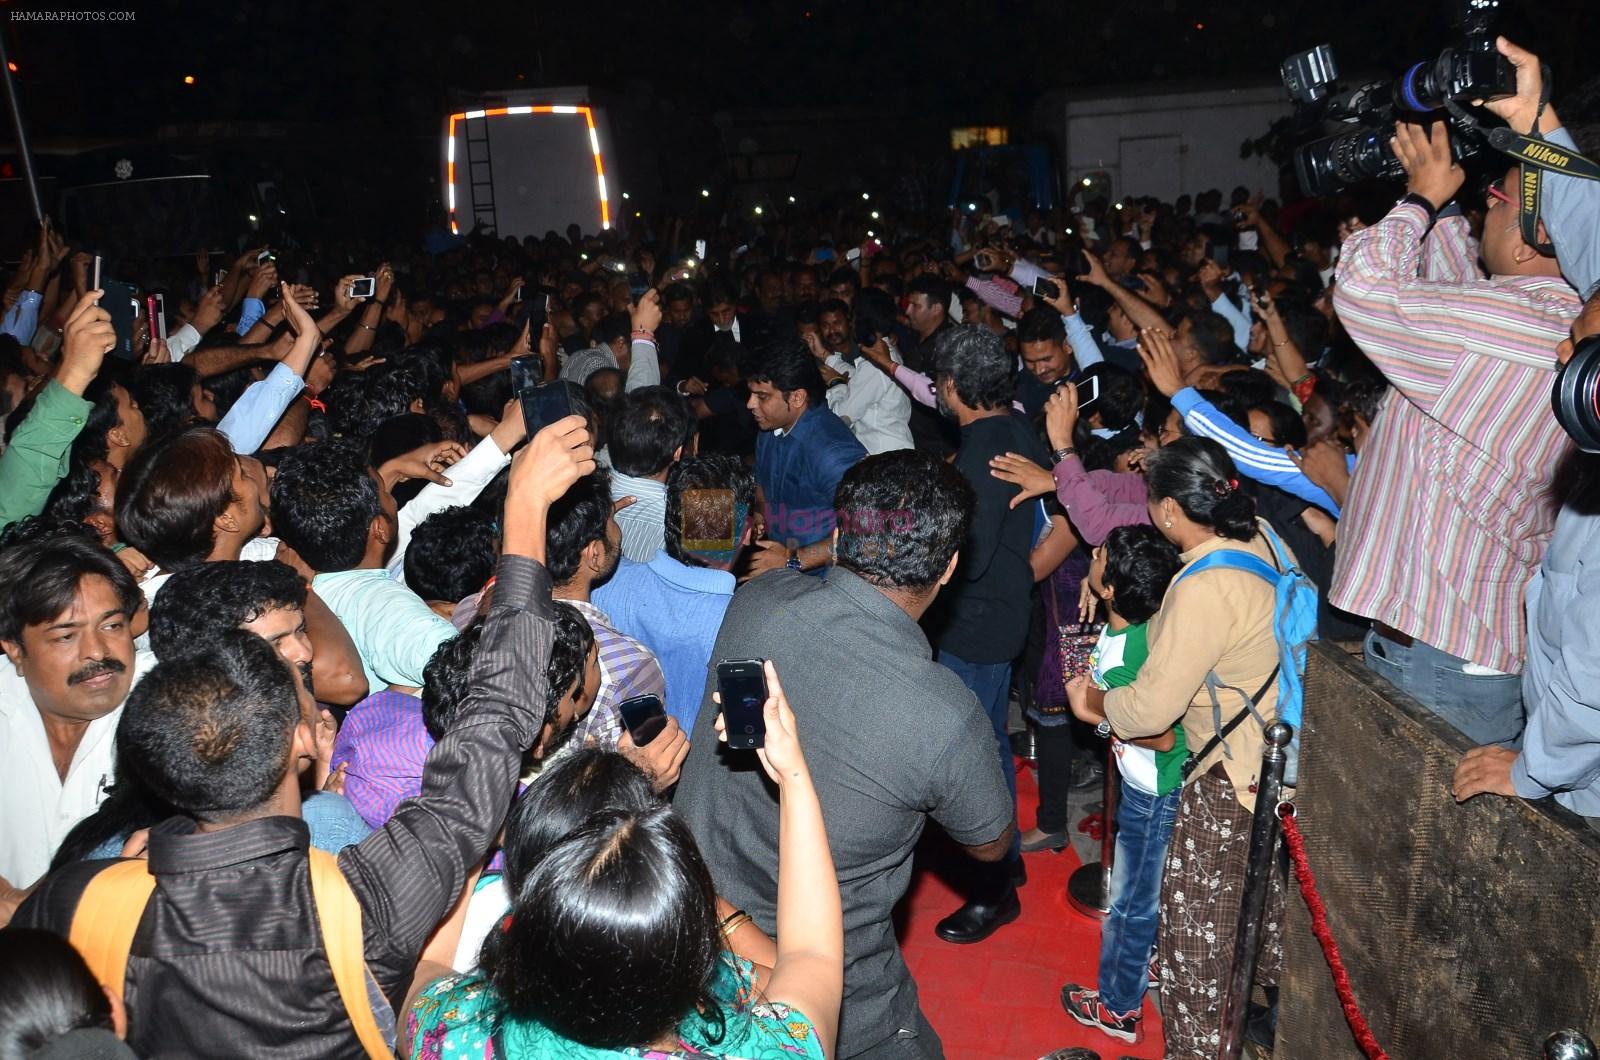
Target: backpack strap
<point x="339" y="914"/>
<point x="1223" y="731"/>
<point x="107" y="917"/>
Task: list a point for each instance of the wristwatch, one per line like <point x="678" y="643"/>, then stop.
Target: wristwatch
<point x="1061" y="454"/>
<point x="794" y="560"/>
<point x="1104" y="728"/>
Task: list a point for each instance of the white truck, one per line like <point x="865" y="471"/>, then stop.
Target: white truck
<point x="1162" y="142"/>
<point x="528" y="161"/>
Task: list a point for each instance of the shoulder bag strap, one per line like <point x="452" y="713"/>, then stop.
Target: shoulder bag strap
<point x="340" y="915"/>
<point x="108" y="916"/>
<point x="1233" y="723"/>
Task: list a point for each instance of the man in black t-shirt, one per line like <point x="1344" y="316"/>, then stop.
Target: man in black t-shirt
<point x="982" y="624"/>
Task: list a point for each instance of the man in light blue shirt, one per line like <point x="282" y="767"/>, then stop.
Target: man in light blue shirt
<point x="647" y="437"/>
<point x="674" y="604"/>
<point x="339" y="517"/>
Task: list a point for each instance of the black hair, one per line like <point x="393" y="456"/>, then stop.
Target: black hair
<point x="611" y="328"/>
<point x="451" y="554"/>
<point x="844" y="274"/>
<point x="1140" y="564"/>
<point x="901" y="517"/>
<point x="936" y="288"/>
<point x="76" y="495"/>
<point x="580" y="516"/>
<point x="788" y="366"/>
<point x="391" y="391"/>
<point x="198" y="605"/>
<point x="1213" y="337"/>
<point x="1287" y="426"/>
<point x="708" y="496"/>
<point x="807" y="312"/>
<point x="834" y="305"/>
<point x="1198" y="475"/>
<point x="446" y="679"/>
<point x="165" y="393"/>
<point x="39" y="580"/>
<point x="975" y="361"/>
<point x="92" y="442"/>
<point x="1041" y="324"/>
<point x="210" y="733"/>
<point x="396" y="436"/>
<point x="324" y="498"/>
<point x="874" y="311"/>
<point x="677" y="292"/>
<point x="171" y="494"/>
<point x="346" y="399"/>
<point x="46" y="992"/>
<point x="1364" y="394"/>
<point x="1122" y="395"/>
<point x="651" y="425"/>
<point x="625" y="899"/>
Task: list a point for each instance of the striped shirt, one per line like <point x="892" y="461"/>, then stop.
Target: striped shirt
<point x="627" y="669"/>
<point x="644" y="522"/>
<point x="1449" y="507"/>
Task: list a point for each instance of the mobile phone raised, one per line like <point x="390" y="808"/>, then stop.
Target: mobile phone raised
<point x="743" y="687"/>
<point x="644" y="717"/>
<point x="543" y="403"/>
<point x="364" y="287"/>
<point x="1046" y="290"/>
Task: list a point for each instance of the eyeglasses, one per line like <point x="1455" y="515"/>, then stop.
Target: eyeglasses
<point x="1496" y="193"/>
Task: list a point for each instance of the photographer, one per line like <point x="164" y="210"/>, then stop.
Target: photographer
<point x="1571" y="206"/>
<point x="1560" y="754"/>
<point x="1447" y="515"/>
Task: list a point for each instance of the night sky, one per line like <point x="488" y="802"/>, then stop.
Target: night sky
<point x="370" y="81"/>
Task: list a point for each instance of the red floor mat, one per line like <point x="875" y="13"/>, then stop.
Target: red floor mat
<point x="1000" y="998"/>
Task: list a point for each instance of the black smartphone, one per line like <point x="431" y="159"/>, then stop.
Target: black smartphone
<point x="121" y="302"/>
<point x="743" y="685"/>
<point x="644" y="717"/>
<point x="543" y="404"/>
<point x="1045" y="290"/>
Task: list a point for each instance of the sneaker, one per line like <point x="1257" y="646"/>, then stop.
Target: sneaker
<point x="1083" y="1005"/>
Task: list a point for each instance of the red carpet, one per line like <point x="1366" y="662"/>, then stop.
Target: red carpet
<point x="1000" y="998"/>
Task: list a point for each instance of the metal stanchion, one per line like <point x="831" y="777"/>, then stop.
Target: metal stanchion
<point x="20" y="130"/>
<point x="1264" y="837"/>
<point x="1089" y="888"/>
<point x="1569" y="1045"/>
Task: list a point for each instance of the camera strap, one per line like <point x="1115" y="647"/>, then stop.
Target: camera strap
<point x="1535" y="155"/>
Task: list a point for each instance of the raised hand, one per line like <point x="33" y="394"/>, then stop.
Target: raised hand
<point x="1433" y="173"/>
<point x="1160" y="361"/>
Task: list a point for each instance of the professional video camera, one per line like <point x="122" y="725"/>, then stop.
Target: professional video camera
<point x="1471" y="69"/>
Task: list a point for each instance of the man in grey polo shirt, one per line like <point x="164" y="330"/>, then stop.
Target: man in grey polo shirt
<point x="894" y="737"/>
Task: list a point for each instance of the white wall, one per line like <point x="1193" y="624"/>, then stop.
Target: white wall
<point x="1184" y="142"/>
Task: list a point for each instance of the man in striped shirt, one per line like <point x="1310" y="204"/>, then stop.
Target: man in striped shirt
<point x="1449" y="506"/>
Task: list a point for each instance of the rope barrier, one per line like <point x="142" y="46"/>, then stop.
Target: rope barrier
<point x="1319" y="927"/>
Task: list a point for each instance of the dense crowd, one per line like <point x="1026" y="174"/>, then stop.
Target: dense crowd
<point x="349" y="710"/>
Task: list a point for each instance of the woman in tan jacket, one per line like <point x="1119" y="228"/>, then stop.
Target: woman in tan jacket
<point x="1218" y="622"/>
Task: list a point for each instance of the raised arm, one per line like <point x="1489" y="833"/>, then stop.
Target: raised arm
<point x="408" y="873"/>
<point x="1141" y="312"/>
<point x="809" y="975"/>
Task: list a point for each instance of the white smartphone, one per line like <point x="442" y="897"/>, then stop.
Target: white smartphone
<point x="1088" y="391"/>
<point x="700" y="249"/>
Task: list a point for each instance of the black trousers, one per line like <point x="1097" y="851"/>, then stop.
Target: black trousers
<point x="1055" y="747"/>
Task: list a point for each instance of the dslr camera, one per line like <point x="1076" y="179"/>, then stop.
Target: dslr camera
<point x="1471" y="68"/>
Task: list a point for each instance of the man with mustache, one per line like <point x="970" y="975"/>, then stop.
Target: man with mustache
<point x="66" y="607"/>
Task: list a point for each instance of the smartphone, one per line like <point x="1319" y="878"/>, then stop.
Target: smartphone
<point x="526" y="373"/>
<point x="853" y="254"/>
<point x="154" y="321"/>
<point x="516" y="296"/>
<point x="1045" y="290"/>
<point x="743" y="686"/>
<point x="94" y="279"/>
<point x="1088" y="390"/>
<point x="218" y="276"/>
<point x="700" y="249"/>
<point x="365" y="287"/>
<point x="266" y="256"/>
<point x="644" y="717"/>
<point x="543" y="404"/>
<point x="121" y="302"/>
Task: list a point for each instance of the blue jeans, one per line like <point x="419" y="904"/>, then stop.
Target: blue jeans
<point x="991" y="683"/>
<point x="1128" y="933"/>
<point x="1487" y="708"/>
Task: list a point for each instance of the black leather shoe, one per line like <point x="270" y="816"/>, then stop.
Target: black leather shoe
<point x="976" y="921"/>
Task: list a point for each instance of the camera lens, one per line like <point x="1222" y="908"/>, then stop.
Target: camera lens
<point x="1328" y="165"/>
<point x="1575" y="397"/>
